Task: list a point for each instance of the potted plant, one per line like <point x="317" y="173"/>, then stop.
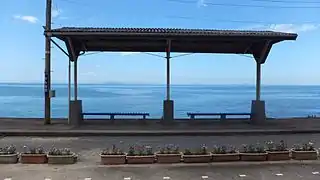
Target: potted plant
<point x="277" y="151"/>
<point x="169" y="154"/>
<point x="253" y="152"/>
<point x="33" y="155"/>
<point x="200" y="155"/>
<point x="224" y="153"/>
<point x="140" y="155"/>
<point x="113" y="156"/>
<point x="8" y="155"/>
<point x="305" y="151"/>
<point x="61" y="156"/>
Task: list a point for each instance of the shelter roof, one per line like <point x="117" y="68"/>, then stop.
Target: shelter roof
<point x="85" y="39"/>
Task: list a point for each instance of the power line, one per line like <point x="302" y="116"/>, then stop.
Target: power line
<point x="235" y="21"/>
<point x="221" y="20"/>
<point x="291" y="2"/>
<point x="246" y="5"/>
<point x="76" y="2"/>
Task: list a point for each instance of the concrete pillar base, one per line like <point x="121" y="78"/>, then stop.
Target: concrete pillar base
<point x="168" y="112"/>
<point x="76" y="117"/>
<point x="258" y="112"/>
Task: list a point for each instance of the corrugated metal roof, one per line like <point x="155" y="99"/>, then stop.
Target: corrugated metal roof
<point x="174" y="31"/>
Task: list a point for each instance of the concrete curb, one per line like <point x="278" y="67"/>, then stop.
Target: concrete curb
<point x="76" y="133"/>
<point x="220" y="164"/>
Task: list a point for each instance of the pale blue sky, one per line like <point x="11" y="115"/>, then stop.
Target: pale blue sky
<point x="294" y="62"/>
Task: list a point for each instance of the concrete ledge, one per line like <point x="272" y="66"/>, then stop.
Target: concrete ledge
<point x="76" y="133"/>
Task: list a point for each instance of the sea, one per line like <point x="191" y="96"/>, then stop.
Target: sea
<point x="26" y="100"/>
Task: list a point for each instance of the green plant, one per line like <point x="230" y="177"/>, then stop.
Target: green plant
<point x="139" y="150"/>
<point x="8" y="150"/>
<point x="253" y="148"/>
<point x="304" y="147"/>
<point x="203" y="150"/>
<point x="187" y="152"/>
<point x="131" y="151"/>
<point x="281" y="146"/>
<point x="59" y="152"/>
<point x="169" y="149"/>
<point x="222" y="149"/>
<point x="112" y="151"/>
<point x="33" y="150"/>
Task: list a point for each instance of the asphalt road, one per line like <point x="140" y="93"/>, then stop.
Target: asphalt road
<point x="155" y="172"/>
<point x="88" y="166"/>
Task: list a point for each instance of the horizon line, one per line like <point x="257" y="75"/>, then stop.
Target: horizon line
<point x="158" y="84"/>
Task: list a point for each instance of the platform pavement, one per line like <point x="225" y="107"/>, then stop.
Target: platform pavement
<point x="59" y="127"/>
<point x="81" y="171"/>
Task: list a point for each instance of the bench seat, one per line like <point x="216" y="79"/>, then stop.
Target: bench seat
<point x="222" y="115"/>
<point x="113" y="114"/>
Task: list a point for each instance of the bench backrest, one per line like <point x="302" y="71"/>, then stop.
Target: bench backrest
<point x="119" y="114"/>
<point x="217" y="114"/>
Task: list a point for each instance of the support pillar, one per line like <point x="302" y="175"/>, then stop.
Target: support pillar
<point x="75" y="112"/>
<point x="168" y="104"/>
<point x="258" y="114"/>
<point x="75" y="106"/>
<point x="76" y="117"/>
<point x="75" y="79"/>
<point x="69" y="92"/>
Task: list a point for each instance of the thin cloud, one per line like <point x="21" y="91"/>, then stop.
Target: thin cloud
<point x="30" y="19"/>
<point x="289" y="28"/>
<point x="293" y="28"/>
<point x="201" y="3"/>
<point x="56" y="12"/>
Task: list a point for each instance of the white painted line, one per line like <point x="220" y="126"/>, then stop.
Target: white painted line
<point x="279" y="174"/>
<point x="127" y="178"/>
<point x="166" y="178"/>
<point x="204" y="177"/>
<point x="316" y="172"/>
<point x="47" y="178"/>
<point x="87" y="178"/>
<point x="7" y="178"/>
<point x="242" y="175"/>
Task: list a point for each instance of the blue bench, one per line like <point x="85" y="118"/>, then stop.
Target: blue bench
<point x="112" y="115"/>
<point x="222" y="115"/>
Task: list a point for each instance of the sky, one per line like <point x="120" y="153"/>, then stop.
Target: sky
<point x="292" y="62"/>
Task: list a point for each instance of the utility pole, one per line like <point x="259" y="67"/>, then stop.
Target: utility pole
<point x="47" y="71"/>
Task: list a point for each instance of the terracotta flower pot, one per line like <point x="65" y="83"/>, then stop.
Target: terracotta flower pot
<point x="253" y="156"/>
<point x="141" y="159"/>
<point x="9" y="159"/>
<point x="33" y="158"/>
<point x="62" y="159"/>
<point x="113" y="159"/>
<point x="278" y="155"/>
<point x="304" y="155"/>
<point x="168" y="158"/>
<point x="206" y="158"/>
<point x="225" y="157"/>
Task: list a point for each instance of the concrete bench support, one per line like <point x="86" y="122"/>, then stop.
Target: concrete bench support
<point x="75" y="116"/>
<point x="258" y="112"/>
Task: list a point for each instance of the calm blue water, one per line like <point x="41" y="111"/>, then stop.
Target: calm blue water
<point x="26" y="100"/>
